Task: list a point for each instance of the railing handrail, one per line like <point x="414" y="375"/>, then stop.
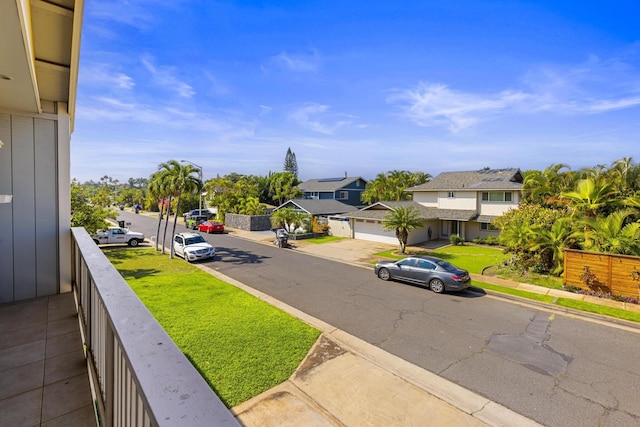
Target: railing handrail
<point x="168" y="387"/>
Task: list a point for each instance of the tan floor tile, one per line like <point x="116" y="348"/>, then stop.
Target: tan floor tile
<point x="83" y="417"/>
<point x="64" y="366"/>
<point x="21" y="379"/>
<point x="61" y="344"/>
<point x="19" y="355"/>
<point x="22" y="410"/>
<point x="64" y="397"/>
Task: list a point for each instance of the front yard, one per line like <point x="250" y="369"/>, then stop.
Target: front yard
<point x="241" y="345"/>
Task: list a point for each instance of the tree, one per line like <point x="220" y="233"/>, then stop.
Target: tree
<point x="283" y="186"/>
<point x="290" y="163"/>
<point x="590" y="195"/>
<point x="86" y="214"/>
<point x="551" y="242"/>
<point x="613" y="233"/>
<point x="402" y="220"/>
<point x="391" y="186"/>
<point x="157" y="190"/>
<point x="179" y="179"/>
<point x="290" y="219"/>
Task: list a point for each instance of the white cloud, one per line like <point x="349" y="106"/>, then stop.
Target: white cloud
<point x="436" y="104"/>
<point x="106" y="75"/>
<point x="295" y="63"/>
<point x="594" y="87"/>
<point x="313" y="116"/>
<point x="164" y="77"/>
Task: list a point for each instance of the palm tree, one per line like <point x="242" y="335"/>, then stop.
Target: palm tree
<point x="613" y="233"/>
<point x="392" y="186"/>
<point x="158" y="192"/>
<point x="552" y="242"/>
<point x="590" y="195"/>
<point x="402" y="220"/>
<point x="544" y="187"/>
<point x="180" y="179"/>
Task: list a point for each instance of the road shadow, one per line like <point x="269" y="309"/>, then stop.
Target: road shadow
<point x="470" y="292"/>
<point x="237" y="257"/>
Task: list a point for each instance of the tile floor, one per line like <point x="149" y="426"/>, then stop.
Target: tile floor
<point x="43" y="373"/>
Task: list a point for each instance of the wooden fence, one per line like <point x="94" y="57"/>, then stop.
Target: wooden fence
<point x="618" y="274"/>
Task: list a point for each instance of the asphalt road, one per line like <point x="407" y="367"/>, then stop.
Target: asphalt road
<point x="556" y="369"/>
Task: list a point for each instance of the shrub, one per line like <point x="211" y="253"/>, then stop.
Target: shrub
<point x="456" y="240"/>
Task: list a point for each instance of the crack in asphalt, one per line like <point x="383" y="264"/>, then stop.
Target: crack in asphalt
<point x="530" y="348"/>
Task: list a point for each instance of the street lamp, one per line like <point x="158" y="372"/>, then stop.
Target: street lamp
<point x="202" y="183"/>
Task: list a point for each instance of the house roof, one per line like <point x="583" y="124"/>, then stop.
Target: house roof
<point x="484" y="179"/>
<point x="318" y="207"/>
<point x="40" y="53"/>
<point x="379" y="210"/>
<point x="328" y="184"/>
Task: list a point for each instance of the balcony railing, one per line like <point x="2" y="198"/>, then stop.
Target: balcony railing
<point x="138" y="374"/>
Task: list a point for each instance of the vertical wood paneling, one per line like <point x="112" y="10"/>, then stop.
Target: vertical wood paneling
<point x="24" y="224"/>
<point x="46" y="200"/>
<point x="612" y="271"/>
<point x="6" y="212"/>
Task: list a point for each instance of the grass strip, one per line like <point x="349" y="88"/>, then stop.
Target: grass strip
<point x="241" y="345"/>
<point x="599" y="309"/>
<point x="516" y="292"/>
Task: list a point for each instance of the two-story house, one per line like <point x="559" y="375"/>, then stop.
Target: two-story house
<point x="343" y="189"/>
<point x="462" y="203"/>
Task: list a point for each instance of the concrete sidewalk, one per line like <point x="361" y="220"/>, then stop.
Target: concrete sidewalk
<point x="345" y="381"/>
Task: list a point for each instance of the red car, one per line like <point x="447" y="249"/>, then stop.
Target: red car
<point x="211" y="227"/>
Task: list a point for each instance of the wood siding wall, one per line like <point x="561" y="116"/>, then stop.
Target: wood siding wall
<point x="29" y="235"/>
<point x="611" y="272"/>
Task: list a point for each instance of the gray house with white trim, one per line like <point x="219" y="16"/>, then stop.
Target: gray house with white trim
<point x="462" y="203"/>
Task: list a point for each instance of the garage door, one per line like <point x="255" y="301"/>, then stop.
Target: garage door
<point x="373" y="232"/>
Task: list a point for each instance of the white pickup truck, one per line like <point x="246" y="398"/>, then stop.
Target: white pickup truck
<point x="118" y="235"/>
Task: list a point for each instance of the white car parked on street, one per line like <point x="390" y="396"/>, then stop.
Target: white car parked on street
<point x="192" y="247"/>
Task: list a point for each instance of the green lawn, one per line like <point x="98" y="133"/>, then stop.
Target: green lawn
<point x="324" y="239"/>
<point x="470" y="257"/>
<point x="241" y="345"/>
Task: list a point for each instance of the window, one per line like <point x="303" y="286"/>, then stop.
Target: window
<point x="451" y="194"/>
<point x="497" y="196"/>
<point x="425" y="264"/>
<point x="343" y="195"/>
<point x="488" y="227"/>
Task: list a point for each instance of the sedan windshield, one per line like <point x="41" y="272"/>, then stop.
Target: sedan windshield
<point x="194" y="240"/>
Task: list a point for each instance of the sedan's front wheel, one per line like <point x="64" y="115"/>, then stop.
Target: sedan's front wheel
<point x="383" y="273"/>
<point x="437" y="286"/>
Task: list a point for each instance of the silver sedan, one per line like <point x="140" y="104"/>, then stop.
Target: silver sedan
<point x="436" y="273"/>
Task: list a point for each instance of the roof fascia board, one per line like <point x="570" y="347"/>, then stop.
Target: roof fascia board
<point x="24" y="14"/>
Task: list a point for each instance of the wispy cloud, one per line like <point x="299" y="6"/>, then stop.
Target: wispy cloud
<point x="294" y="62"/>
<point x="139" y="14"/>
<point x="316" y="117"/>
<point x="436" y="104"/>
<point x="105" y="75"/>
<point x="108" y="109"/>
<point x="594" y="87"/>
<point x="164" y="77"/>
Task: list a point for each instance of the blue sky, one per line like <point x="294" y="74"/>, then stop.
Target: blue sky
<point x="361" y="87"/>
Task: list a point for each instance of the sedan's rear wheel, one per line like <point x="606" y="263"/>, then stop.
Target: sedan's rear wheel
<point x="437" y="286"/>
<point x="384" y="274"/>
